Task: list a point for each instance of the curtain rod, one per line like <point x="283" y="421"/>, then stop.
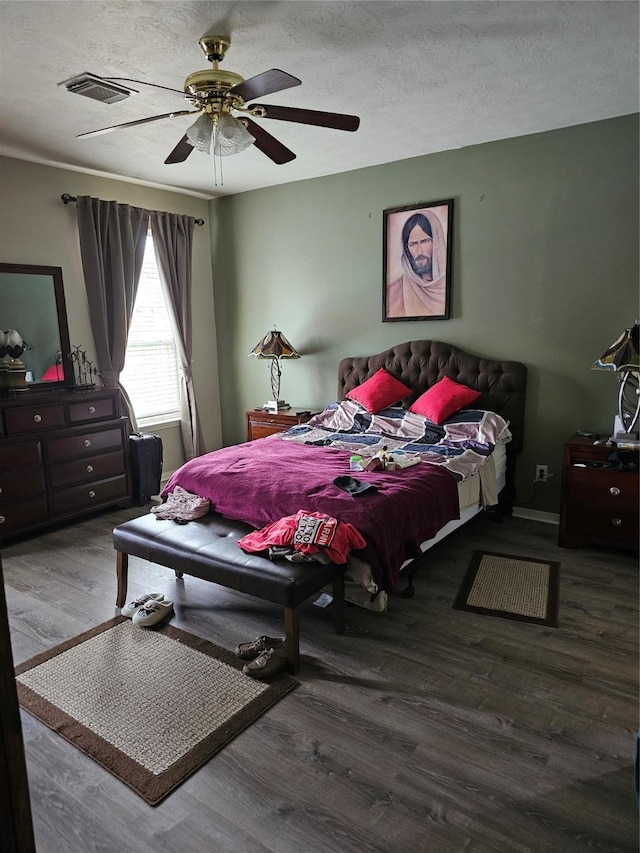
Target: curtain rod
<point x="67" y="199"/>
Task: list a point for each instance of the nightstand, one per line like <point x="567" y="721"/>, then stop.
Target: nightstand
<point x="261" y="423"/>
<point x="599" y="505"/>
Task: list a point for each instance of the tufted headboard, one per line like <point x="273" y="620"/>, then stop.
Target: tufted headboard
<point x="420" y="364"/>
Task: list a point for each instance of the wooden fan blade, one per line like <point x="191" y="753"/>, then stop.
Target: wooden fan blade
<point x="337" y="121"/>
<point x="264" y="84"/>
<point x="144" y="83"/>
<point x="180" y="152"/>
<point x="268" y="144"/>
<point x="135" y="123"/>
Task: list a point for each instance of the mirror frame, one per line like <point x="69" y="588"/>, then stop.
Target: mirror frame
<point x="63" y="328"/>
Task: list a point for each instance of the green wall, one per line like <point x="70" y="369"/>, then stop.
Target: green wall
<point x="545" y="271"/>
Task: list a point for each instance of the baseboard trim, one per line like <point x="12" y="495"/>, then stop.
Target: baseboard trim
<point x="537" y="515"/>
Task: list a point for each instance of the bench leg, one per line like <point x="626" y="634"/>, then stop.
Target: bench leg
<point x="122" y="573"/>
<point x="338" y="603"/>
<point x="292" y="631"/>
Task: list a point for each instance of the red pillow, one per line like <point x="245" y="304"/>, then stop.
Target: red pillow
<point x="379" y="391"/>
<point x="443" y="399"/>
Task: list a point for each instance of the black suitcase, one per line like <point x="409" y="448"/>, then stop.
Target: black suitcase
<point x="145" y="453"/>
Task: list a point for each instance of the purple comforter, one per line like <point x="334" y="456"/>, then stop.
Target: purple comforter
<point x="262" y="481"/>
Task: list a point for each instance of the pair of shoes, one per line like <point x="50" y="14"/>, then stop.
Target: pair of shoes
<point x="152" y="612"/>
<point x="267" y="663"/>
<point x="130" y="609"/>
<point x="249" y="651"/>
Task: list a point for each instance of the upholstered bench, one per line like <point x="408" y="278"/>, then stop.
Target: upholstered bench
<point x="207" y="549"/>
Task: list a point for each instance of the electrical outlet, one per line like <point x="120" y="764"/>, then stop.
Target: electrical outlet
<point x="542" y="474"/>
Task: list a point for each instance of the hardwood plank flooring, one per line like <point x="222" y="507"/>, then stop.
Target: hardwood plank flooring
<point x="422" y="730"/>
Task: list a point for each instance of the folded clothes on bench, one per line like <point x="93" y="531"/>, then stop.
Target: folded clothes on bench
<point x="182" y="505"/>
<point x="308" y="533"/>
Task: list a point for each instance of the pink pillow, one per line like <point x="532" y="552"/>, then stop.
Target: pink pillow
<point x="379" y="391"/>
<point x="443" y="399"/>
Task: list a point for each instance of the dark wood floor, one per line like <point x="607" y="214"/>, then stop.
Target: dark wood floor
<point x="423" y="729"/>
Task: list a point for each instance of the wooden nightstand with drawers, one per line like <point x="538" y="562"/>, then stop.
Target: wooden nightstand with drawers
<point x="261" y="424"/>
<point x="599" y="503"/>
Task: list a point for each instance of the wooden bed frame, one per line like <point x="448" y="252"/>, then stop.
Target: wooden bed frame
<point x="207" y="548"/>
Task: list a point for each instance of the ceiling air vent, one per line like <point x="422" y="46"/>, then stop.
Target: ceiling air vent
<point x="95" y="87"/>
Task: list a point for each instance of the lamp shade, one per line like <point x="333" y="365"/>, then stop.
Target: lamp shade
<point x="622" y="355"/>
<point x="274" y="345"/>
<point x="14" y="345"/>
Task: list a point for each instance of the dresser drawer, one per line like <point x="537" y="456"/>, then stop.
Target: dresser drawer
<point x="61" y="448"/>
<point x="84" y="470"/>
<point x="588" y="524"/>
<point x="617" y="490"/>
<point x="22" y="514"/>
<point x="21" y="484"/>
<point x="25" y="454"/>
<point x="34" y="418"/>
<point x="91" y="495"/>
<point x="97" y="409"/>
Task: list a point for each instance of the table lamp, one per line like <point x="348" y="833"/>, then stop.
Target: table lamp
<point x="275" y="346"/>
<point x="622" y="358"/>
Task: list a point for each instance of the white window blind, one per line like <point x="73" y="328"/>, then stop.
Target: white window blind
<point x="150" y="374"/>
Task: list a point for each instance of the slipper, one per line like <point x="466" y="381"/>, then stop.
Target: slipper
<point x="130" y="609"/>
<point x="354" y="487"/>
<point x="152" y="612"/>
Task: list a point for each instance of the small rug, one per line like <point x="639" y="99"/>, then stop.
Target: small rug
<point x="151" y="705"/>
<point x="512" y="587"/>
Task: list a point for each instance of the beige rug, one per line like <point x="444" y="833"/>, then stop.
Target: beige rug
<point x="513" y="587"/>
<point x="150" y="705"/>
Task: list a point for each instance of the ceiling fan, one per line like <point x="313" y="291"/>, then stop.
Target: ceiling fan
<point x="226" y="121"/>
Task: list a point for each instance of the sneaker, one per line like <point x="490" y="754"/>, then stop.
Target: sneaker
<point x="249" y="651"/>
<point x="266" y="664"/>
<point x="132" y="607"/>
<point x="152" y="612"/>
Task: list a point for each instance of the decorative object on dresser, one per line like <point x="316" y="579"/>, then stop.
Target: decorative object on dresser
<point x="622" y="358"/>
<point x="599" y="503"/>
<point x="62" y="454"/>
<point x="274" y="346"/>
<point x="261" y="423"/>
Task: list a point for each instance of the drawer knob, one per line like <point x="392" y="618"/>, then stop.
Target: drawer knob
<point x="617" y="522"/>
<point x="615" y="491"/>
<point x="2" y="519"/>
<point x="92" y="494"/>
<point x="86" y="442"/>
<point x="92" y="410"/>
<point x="37" y="418"/>
<point x="0" y="490"/>
<point x="89" y="469"/>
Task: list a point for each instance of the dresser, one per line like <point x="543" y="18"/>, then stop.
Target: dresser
<point x="62" y="454"/>
<point x="261" y="424"/>
<point x="599" y="505"/>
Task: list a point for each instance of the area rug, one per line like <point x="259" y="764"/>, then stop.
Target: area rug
<point x="151" y="705"/>
<point x="512" y="587"/>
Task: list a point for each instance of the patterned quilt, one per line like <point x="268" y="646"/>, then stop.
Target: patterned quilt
<point x="461" y="445"/>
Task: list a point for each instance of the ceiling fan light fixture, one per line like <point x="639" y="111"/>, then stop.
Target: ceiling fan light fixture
<point x="230" y="136"/>
<point x="200" y="132"/>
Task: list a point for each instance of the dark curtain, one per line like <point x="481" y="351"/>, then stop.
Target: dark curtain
<point x="172" y="240"/>
<point x="112" y="242"/>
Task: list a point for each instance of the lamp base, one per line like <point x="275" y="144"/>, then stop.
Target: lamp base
<point x="275" y="406"/>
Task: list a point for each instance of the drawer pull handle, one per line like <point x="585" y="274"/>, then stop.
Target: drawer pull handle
<point x="89" y="469"/>
<point x="615" y="491"/>
<point x="0" y="490"/>
<point x="617" y="522"/>
<point x="86" y="442"/>
<point x="92" y="410"/>
<point x="2" y="519"/>
<point x="92" y="494"/>
<point x="37" y="418"/>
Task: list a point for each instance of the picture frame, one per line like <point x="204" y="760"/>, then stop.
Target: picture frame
<point x="416" y="264"/>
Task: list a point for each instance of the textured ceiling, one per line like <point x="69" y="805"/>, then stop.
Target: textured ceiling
<point x="423" y="77"/>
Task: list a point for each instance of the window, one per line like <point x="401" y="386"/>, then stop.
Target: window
<point x="150" y="373"/>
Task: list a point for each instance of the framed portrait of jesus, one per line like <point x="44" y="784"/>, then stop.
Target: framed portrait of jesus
<point x="416" y="280"/>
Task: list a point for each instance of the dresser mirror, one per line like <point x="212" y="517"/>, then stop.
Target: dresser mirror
<point x="32" y="303"/>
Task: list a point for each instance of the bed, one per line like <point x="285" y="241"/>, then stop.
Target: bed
<point x="408" y="510"/>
